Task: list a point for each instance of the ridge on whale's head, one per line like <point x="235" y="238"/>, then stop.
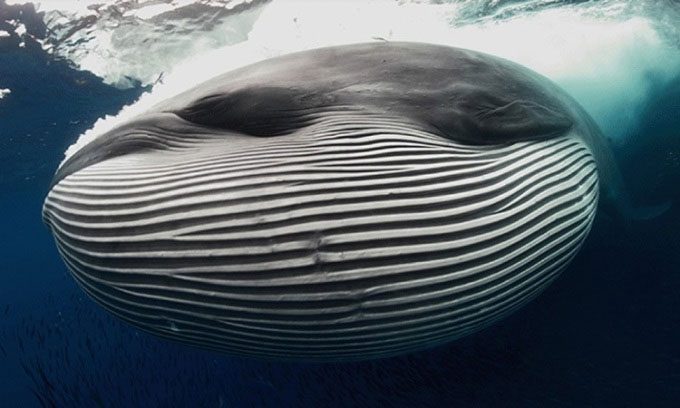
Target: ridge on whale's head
<point x="342" y="203"/>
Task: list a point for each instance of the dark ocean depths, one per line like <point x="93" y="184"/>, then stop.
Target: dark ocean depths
<point x="606" y="333"/>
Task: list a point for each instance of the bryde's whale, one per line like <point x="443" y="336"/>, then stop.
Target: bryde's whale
<point x="341" y="203"/>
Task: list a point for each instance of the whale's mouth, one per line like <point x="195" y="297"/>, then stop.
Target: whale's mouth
<point x="339" y="242"/>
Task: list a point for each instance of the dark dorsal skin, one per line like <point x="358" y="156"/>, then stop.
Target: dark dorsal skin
<point x="459" y="94"/>
<point x="463" y="95"/>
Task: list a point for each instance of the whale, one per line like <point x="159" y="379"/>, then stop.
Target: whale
<point x="343" y="203"/>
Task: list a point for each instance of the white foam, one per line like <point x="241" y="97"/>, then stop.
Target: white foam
<point x="4" y="92"/>
<point x="149" y="11"/>
<point x="20" y="30"/>
<point x="61" y="5"/>
<point x="609" y="63"/>
<point x="126" y="42"/>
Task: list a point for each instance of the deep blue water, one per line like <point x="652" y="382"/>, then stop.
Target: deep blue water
<point x="607" y="333"/>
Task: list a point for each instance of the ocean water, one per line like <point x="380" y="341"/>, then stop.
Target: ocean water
<point x="606" y="333"/>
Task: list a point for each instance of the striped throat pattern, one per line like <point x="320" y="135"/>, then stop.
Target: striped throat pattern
<point x="353" y="238"/>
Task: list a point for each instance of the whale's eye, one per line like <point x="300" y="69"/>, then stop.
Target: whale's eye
<point x="497" y="120"/>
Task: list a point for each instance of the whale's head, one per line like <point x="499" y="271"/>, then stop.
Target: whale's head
<point x="342" y="203"/>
